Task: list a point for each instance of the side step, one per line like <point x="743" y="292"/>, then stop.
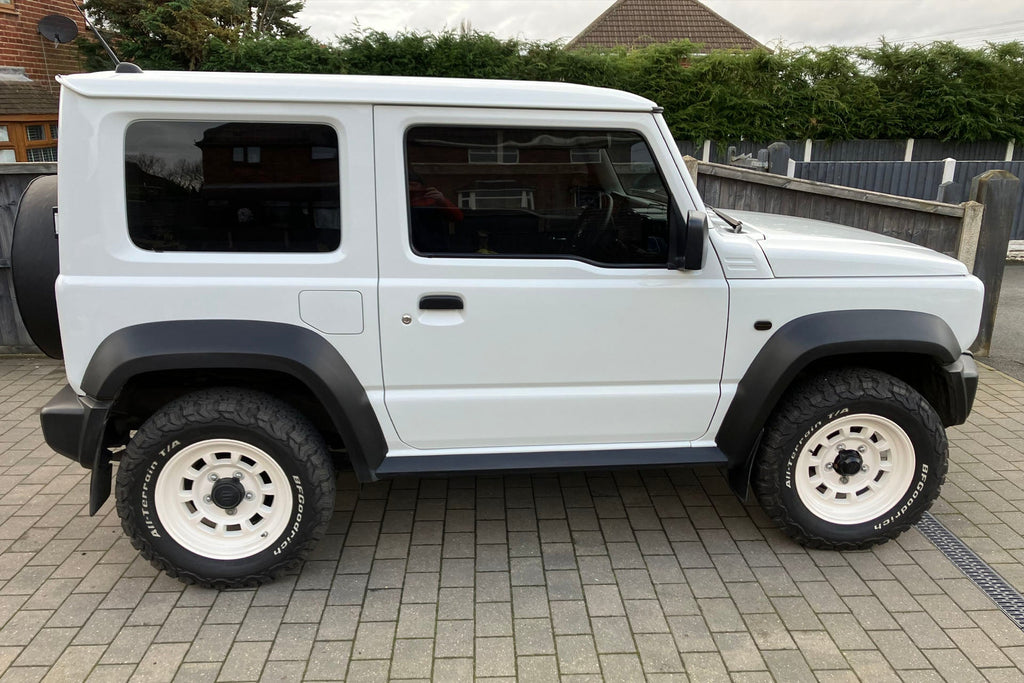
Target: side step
<point x="498" y="463"/>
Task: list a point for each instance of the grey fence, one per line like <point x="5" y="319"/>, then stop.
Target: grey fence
<point x="862" y="150"/>
<point x="966" y="171"/>
<point x="14" y="178"/>
<point x="916" y="179"/>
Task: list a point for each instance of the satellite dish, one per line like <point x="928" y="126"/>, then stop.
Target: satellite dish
<point x="58" y="28"/>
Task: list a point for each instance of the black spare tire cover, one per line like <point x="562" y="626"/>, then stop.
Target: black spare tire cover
<point x="35" y="264"/>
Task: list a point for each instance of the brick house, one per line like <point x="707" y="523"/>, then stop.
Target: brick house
<point x="639" y="23"/>
<point x="28" y="64"/>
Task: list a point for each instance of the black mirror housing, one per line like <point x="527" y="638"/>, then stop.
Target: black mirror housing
<point x="686" y="239"/>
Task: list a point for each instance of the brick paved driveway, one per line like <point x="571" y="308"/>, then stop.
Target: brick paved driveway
<point x="625" y="575"/>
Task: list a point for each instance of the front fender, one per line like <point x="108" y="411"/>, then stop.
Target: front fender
<point x="810" y="338"/>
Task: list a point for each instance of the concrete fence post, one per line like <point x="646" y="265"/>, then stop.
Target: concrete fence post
<point x="1009" y="151"/>
<point x="908" y="154"/>
<point x="970" y="231"/>
<point x="691" y="167"/>
<point x="997" y="191"/>
<point x="778" y="158"/>
<point x="705" y="154"/>
<point x="808" y="148"/>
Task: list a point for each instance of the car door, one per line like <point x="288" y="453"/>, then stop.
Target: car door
<point x="524" y="296"/>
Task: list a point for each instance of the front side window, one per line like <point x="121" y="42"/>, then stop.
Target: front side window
<point x="591" y="195"/>
<point x="232" y="187"/>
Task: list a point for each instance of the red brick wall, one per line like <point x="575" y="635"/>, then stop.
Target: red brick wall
<point x="21" y="45"/>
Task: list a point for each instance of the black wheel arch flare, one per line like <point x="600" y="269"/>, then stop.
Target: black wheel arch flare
<point x="815" y="337"/>
<point x="238" y="345"/>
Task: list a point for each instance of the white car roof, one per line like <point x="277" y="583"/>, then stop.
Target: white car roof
<point x="394" y="90"/>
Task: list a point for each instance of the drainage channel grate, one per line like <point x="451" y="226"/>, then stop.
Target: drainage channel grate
<point x="976" y="569"/>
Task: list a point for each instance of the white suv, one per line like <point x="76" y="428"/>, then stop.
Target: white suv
<point x="263" y="278"/>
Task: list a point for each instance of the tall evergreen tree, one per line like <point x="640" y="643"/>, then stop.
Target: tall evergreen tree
<point x="178" y="34"/>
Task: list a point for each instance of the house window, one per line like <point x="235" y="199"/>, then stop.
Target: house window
<point x="38" y="154"/>
<point x="6" y="5"/>
<point x="30" y="141"/>
<point x="216" y="186"/>
<point x="248" y="155"/>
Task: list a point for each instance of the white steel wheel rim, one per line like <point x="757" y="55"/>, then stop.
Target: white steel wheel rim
<point x="187" y="512"/>
<point x="888" y="468"/>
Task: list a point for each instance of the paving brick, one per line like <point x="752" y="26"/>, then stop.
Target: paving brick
<point x="612" y="635"/>
<point x="160" y="662"/>
<point x="534" y="637"/>
<point x="374" y="640"/>
<point x="412" y="658"/>
<point x="293" y="642"/>
<point x="569" y="617"/>
<point x="537" y="669"/>
<point x="245" y="662"/>
<point x="978" y="647"/>
<point x="604" y="600"/>
<point x="454" y="670"/>
<point x="454" y="639"/>
<point x="658" y="653"/>
<point x="212" y="643"/>
<point x="328" y="661"/>
<point x="495" y="657"/>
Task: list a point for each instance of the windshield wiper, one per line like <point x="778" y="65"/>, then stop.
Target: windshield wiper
<point x="735" y="223"/>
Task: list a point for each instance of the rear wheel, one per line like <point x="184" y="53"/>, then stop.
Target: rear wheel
<point x="225" y="488"/>
<point x="850" y="458"/>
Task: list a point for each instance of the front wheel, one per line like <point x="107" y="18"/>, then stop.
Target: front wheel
<point x="850" y="458"/>
<point x="225" y="487"/>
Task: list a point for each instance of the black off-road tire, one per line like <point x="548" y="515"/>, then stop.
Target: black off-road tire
<point x="827" y="397"/>
<point x="246" y="416"/>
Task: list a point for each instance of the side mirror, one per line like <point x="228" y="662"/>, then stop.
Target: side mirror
<point x="686" y="239"/>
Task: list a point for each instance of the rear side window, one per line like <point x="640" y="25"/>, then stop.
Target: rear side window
<point x="232" y="187"/>
<point x="494" y="192"/>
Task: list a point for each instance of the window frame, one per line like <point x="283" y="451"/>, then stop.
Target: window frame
<point x="242" y="256"/>
<point x="17" y="135"/>
<point x="528" y="257"/>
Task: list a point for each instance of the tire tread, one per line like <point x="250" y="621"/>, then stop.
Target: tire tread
<point x="244" y="408"/>
<point x="805" y="401"/>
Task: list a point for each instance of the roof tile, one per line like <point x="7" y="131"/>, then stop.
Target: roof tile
<point x="27" y="97"/>
<point x="638" y="23"/>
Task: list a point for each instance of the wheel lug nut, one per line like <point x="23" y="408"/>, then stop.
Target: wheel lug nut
<point x="841" y="447"/>
<point x="861" y="449"/>
<point x="207" y="499"/>
<point x="844" y="479"/>
<point x="237" y="475"/>
<point x="231" y="511"/>
<point x="249" y="495"/>
<point x="828" y="466"/>
<point x="863" y="468"/>
<point x="213" y="476"/>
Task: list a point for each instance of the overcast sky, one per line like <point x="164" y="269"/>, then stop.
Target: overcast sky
<point x="793" y="22"/>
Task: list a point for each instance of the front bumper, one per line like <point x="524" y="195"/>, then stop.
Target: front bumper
<point x="74" y="426"/>
<point x="961" y="379"/>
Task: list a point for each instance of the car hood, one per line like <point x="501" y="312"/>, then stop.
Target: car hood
<point x="801" y="247"/>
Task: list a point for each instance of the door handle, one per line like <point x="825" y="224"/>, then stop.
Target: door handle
<point x="441" y="302"/>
